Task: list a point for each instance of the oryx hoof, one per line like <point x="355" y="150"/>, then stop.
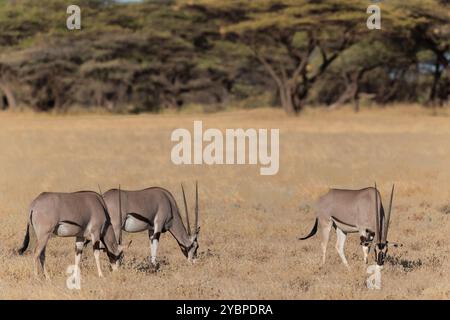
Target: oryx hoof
<point x="154" y="265"/>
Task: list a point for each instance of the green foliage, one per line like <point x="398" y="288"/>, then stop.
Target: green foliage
<point x="166" y="54"/>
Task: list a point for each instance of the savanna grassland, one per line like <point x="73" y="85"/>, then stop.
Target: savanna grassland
<point x="249" y="223"/>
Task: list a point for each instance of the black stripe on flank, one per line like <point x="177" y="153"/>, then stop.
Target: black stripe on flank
<point x="347" y="224"/>
<point x="139" y="217"/>
<point x="70" y="222"/>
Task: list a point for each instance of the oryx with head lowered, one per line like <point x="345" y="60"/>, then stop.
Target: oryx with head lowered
<point x="351" y="211"/>
<point x="155" y="210"/>
<point x="82" y="215"/>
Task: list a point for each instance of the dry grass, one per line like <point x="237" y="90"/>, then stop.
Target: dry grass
<point x="248" y="246"/>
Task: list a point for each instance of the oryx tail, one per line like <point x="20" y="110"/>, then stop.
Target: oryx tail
<point x="26" y="240"/>
<point x="313" y="231"/>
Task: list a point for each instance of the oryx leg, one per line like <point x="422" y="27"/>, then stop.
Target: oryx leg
<point x="366" y="241"/>
<point x="154" y="242"/>
<point x="340" y="242"/>
<point x="366" y="248"/>
<point x="325" y="228"/>
<point x="39" y="256"/>
<point x="79" y="245"/>
<point x="96" y="245"/>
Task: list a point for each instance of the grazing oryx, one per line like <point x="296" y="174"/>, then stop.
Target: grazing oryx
<point x="83" y="215"/>
<point x="350" y="211"/>
<point x="153" y="209"/>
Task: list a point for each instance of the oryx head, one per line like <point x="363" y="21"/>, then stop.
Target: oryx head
<point x="190" y="251"/>
<point x="112" y="246"/>
<point x="382" y="225"/>
<point x="113" y="250"/>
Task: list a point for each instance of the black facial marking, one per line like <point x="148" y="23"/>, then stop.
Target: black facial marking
<point x="365" y="241"/>
<point x="96" y="245"/>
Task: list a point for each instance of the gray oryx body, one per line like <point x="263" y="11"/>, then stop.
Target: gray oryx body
<point x="351" y="211"/>
<point x="153" y="210"/>
<point x="83" y="215"/>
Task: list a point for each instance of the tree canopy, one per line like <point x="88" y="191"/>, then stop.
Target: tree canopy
<point x="151" y="55"/>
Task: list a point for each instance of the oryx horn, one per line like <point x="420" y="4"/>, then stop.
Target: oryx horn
<point x="388" y="217"/>
<point x="186" y="209"/>
<point x="196" y="207"/>
<point x="120" y="216"/>
<point x="377" y="216"/>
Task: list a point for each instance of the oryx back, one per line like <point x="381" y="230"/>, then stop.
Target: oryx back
<point x="68" y="214"/>
<point x="154" y="210"/>
<point x="82" y="215"/>
<point x="351" y="210"/>
<point x="140" y="210"/>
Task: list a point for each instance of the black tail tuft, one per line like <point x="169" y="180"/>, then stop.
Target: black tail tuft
<point x="26" y="241"/>
<point x="313" y="231"/>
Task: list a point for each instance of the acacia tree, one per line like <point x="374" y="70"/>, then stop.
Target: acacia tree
<point x="355" y="67"/>
<point x="16" y="27"/>
<point x="34" y="53"/>
<point x="295" y="41"/>
<point x="426" y="25"/>
<point x="168" y="53"/>
<point x="163" y="47"/>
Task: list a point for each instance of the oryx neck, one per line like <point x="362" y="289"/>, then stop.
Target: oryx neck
<point x="179" y="232"/>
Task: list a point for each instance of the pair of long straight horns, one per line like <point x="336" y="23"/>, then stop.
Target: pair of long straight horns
<point x="189" y="231"/>
<point x="382" y="223"/>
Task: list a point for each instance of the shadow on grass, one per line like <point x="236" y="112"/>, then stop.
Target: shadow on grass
<point x="406" y="264"/>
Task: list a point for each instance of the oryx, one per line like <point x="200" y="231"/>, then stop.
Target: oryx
<point x="350" y="211"/>
<point x="83" y="215"/>
<point x="153" y="209"/>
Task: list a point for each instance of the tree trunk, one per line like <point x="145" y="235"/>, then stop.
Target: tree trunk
<point x="436" y="79"/>
<point x="10" y="99"/>
<point x="390" y="89"/>
<point x="351" y="93"/>
<point x="346" y="96"/>
<point x="99" y="98"/>
<point x="287" y="99"/>
<point x="356" y="97"/>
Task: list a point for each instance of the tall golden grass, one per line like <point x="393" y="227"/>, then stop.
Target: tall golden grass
<point x="250" y="223"/>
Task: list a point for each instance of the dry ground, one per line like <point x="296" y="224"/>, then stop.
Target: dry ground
<point x="250" y="223"/>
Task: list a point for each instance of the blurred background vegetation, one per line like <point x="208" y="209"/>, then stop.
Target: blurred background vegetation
<point x="138" y="56"/>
